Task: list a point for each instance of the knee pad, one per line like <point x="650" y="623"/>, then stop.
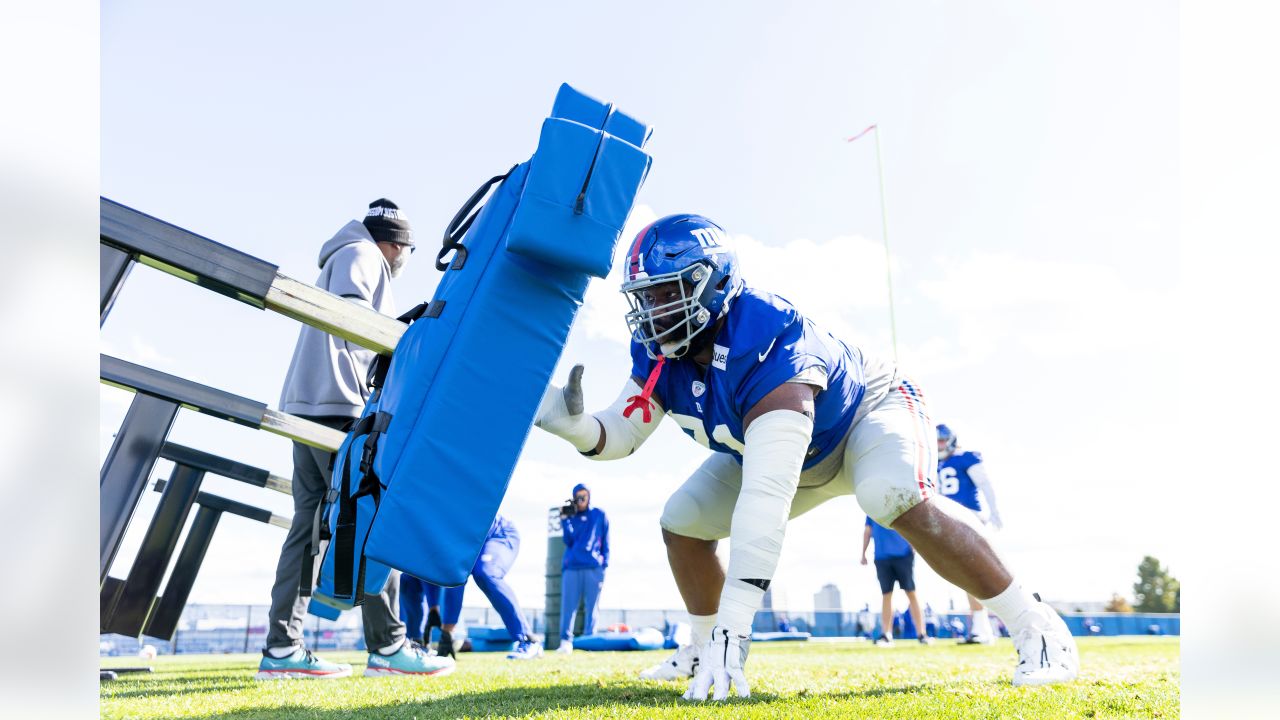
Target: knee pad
<point x="489" y="571"/>
<point x="680" y="513"/>
<point x="684" y="515"/>
<point x="884" y="500"/>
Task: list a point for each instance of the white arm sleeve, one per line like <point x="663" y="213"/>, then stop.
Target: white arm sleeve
<point x="623" y="435"/>
<point x="776" y="443"/>
<point x="978" y="473"/>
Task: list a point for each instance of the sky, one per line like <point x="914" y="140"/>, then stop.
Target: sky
<point x="1031" y="178"/>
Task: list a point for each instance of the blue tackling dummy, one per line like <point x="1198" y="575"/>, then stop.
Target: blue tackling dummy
<point x="454" y="410"/>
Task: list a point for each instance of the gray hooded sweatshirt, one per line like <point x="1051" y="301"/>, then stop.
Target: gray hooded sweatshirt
<point x="328" y="375"/>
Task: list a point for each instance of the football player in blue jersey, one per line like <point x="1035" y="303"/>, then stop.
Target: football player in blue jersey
<point x="795" y="417"/>
<point x="497" y="555"/>
<point x="962" y="477"/>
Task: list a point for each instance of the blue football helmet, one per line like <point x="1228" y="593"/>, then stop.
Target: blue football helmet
<point x="946" y="442"/>
<point x="680" y="276"/>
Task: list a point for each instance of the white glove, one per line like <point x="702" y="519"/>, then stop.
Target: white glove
<point x="720" y="665"/>
<point x="561" y="414"/>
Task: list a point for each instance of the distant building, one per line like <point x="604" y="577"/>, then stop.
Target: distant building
<point x="828" y="598"/>
<point x="765" y="620"/>
<point x="828" y="612"/>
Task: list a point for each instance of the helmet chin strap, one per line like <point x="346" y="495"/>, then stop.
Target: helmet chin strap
<point x="700" y="340"/>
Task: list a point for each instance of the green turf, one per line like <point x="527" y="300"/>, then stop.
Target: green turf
<point x="1121" y="677"/>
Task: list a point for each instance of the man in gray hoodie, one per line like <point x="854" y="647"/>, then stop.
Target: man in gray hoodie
<point x="327" y="383"/>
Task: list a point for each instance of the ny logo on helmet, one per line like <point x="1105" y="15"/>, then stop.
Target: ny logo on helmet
<point x="709" y="237"/>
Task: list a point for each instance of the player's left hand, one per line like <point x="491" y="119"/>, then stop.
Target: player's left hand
<point x="721" y="665"/>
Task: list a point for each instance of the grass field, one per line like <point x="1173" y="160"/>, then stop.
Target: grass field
<point x="1121" y="677"/>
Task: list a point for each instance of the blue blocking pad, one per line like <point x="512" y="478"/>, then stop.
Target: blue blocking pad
<point x="466" y="380"/>
<point x="490" y="638"/>
<point x="578" y="197"/>
<point x="779" y="636"/>
<point x="642" y="639"/>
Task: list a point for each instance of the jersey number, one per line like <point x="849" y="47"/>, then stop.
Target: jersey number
<point x="721" y="434"/>
<point x="948" y="480"/>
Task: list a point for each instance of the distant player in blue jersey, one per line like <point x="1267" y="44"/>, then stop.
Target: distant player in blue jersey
<point x="795" y="417"/>
<point x="963" y="478"/>
<point x="895" y="563"/>
<point x="496" y="558"/>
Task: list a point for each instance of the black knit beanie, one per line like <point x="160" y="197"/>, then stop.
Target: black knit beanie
<point x="387" y="223"/>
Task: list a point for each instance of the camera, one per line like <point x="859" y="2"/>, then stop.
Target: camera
<point x="568" y="509"/>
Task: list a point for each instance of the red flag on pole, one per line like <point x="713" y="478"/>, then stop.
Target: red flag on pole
<point x="864" y="132"/>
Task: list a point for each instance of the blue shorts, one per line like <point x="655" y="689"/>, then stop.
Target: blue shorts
<point x="898" y="569"/>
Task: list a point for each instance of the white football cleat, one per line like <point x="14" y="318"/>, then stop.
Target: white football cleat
<point x="680" y="666"/>
<point x="566" y="647"/>
<point x="1046" y="651"/>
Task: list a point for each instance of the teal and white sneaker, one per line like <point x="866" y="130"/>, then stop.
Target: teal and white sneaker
<point x="410" y="659"/>
<point x="526" y="649"/>
<point x="301" y="665"/>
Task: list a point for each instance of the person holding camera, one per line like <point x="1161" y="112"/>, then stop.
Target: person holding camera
<point x="586" y="555"/>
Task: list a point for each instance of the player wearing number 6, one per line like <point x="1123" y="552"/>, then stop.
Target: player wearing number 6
<point x="963" y="478"/>
<point x="795" y="417"/>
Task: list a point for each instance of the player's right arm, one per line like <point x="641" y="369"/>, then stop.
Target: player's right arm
<point x="609" y="434"/>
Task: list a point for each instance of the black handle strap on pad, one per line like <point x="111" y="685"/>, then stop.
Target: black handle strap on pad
<point x="461" y="222"/>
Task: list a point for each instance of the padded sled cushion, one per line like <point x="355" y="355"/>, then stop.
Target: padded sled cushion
<point x="642" y="639"/>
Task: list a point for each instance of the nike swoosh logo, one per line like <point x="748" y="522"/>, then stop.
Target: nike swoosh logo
<point x="765" y="354"/>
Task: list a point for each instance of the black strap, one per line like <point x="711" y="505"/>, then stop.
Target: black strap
<point x="461" y="222"/>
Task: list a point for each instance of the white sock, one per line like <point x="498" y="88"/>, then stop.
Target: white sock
<point x="391" y="649"/>
<point x="982" y="624"/>
<point x="1011" y="606"/>
<point x="701" y="626"/>
<point x="280" y="653"/>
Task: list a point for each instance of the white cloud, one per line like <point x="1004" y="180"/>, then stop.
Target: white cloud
<point x="839" y="283"/>
<point x="1046" y="308"/>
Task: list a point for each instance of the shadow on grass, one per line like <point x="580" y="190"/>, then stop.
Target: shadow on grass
<point x="159" y="686"/>
<point x="525" y="701"/>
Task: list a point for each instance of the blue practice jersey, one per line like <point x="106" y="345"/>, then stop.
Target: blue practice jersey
<point x="954" y="481"/>
<point x="887" y="543"/>
<point x="764" y="343"/>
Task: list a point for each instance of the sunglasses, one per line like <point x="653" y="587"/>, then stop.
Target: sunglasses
<point x="579" y="498"/>
<point x="402" y="246"/>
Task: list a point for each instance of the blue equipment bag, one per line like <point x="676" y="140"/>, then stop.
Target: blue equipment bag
<point x="353" y="480"/>
<point x="465" y="381"/>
